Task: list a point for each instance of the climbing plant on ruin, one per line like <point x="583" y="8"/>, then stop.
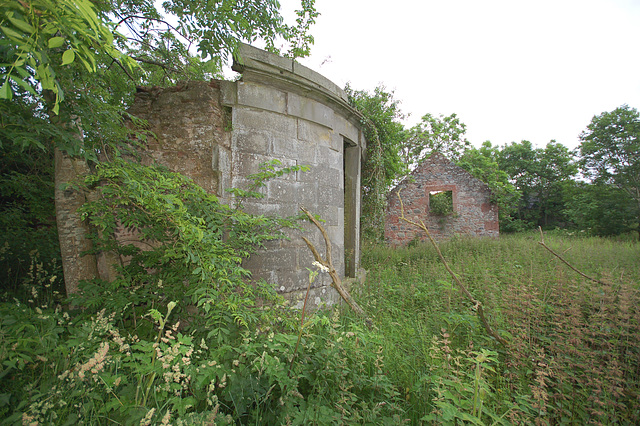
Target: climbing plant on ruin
<point x="383" y="165"/>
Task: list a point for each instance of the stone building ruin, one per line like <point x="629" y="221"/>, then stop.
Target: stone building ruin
<point x="219" y="132"/>
<point x="471" y="211"/>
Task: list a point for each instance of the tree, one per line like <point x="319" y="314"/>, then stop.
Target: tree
<point x="610" y="151"/>
<point x="538" y="173"/>
<point x="383" y="165"/>
<point x="435" y="134"/>
<point x="600" y="208"/>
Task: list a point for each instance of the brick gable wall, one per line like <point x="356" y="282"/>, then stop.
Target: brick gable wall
<point x="473" y="212"/>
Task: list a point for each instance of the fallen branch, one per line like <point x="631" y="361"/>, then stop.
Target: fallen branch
<point x="477" y="304"/>
<point x="328" y="264"/>
<point x="542" y="243"/>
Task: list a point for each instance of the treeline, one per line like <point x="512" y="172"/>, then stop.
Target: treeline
<point x="594" y="188"/>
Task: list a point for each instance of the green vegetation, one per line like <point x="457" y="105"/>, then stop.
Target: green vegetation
<point x="571" y="355"/>
<point x="383" y="164"/>
<point x="441" y="203"/>
<point x="434" y="134"/>
<point x="609" y="151"/>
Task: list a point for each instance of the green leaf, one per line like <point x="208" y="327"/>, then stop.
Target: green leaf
<point x="23" y="84"/>
<point x="86" y="11"/>
<point x="68" y="56"/>
<point x="5" y="91"/>
<point x="55" y="42"/>
<point x="13" y="35"/>
<point x="22" y="25"/>
<point x="86" y="64"/>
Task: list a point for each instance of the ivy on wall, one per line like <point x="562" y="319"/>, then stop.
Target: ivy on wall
<point x="382" y="164"/>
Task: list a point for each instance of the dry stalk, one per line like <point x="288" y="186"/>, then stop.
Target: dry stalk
<point x="476" y="303"/>
<point x="328" y="263"/>
<point x="542" y="243"/>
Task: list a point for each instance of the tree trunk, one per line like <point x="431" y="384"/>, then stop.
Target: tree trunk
<point x="72" y="230"/>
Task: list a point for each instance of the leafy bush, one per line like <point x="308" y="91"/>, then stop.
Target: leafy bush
<point x="92" y="371"/>
<point x="138" y="353"/>
<point x="182" y="244"/>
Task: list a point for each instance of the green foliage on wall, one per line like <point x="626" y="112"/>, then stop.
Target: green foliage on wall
<point x="185" y="245"/>
<point x="483" y="165"/>
<point x="382" y="164"/>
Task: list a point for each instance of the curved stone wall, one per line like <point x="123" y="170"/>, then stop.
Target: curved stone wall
<point x="219" y="133"/>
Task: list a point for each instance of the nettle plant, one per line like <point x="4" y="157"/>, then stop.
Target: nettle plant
<point x="188" y="246"/>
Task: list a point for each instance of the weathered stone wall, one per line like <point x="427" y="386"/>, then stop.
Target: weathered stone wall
<point x="473" y="212"/>
<point x="219" y="132"/>
<point x="191" y="128"/>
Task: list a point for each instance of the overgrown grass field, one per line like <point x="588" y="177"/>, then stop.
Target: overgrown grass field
<point x="572" y="355"/>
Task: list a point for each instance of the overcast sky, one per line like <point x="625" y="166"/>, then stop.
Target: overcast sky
<point x="511" y="70"/>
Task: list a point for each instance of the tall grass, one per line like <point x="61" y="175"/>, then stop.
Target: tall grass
<point x="572" y="356"/>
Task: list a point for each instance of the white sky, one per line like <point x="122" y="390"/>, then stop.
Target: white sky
<point x="511" y="70"/>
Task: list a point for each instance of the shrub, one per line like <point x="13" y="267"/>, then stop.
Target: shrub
<point x="91" y="371"/>
<point x="188" y="246"/>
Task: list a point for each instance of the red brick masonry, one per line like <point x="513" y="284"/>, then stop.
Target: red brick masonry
<point x="473" y="212"/>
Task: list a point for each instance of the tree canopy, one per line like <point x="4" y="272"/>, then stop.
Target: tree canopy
<point x="538" y="173"/>
<point x="610" y="151"/>
<point x="42" y="36"/>
<point x="445" y="135"/>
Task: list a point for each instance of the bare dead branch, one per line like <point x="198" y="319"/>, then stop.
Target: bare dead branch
<point x="476" y="303"/>
<point x="336" y="281"/>
<point x="327" y="241"/>
<point x="542" y="243"/>
<point x="117" y="62"/>
<point x="161" y="21"/>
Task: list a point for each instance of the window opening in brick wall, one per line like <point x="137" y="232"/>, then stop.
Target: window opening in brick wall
<point x="441" y="203"/>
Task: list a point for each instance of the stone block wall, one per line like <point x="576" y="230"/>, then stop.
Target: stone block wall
<point x="220" y="132"/>
<point x="473" y="212"/>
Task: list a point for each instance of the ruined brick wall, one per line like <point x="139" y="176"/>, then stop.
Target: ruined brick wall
<point x="473" y="212"/>
<point x="219" y="132"/>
